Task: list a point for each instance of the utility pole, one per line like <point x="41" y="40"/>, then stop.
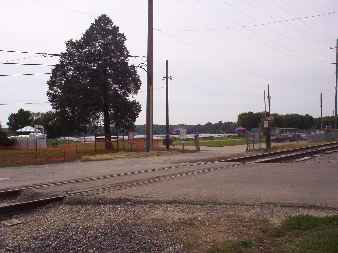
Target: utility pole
<point x="336" y="88"/>
<point x="264" y="103"/>
<point x="150" y="78"/>
<point x="335" y="113"/>
<point x="167" y="78"/>
<point x="321" y="111"/>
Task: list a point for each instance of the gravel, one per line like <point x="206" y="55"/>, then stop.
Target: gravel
<point x="123" y="225"/>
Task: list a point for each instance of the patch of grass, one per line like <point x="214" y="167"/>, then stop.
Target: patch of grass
<point x="218" y="142"/>
<point x="307" y="233"/>
<point x="234" y="247"/>
<point x="298" y="234"/>
<point x="308" y="222"/>
<point x="324" y="240"/>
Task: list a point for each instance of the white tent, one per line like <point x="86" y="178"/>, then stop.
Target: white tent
<point x="28" y="129"/>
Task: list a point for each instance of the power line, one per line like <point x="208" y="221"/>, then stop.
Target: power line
<point x="46" y="54"/>
<point x="25" y="74"/>
<point x="26" y="103"/>
<point x="254" y="26"/>
<point x="43" y="54"/>
<point x="27" y="64"/>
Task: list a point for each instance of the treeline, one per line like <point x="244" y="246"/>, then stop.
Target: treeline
<point x="56" y="124"/>
<point x="251" y="120"/>
<point x="211" y="128"/>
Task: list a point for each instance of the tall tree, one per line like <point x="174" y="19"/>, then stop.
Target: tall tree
<point x="20" y="119"/>
<point x="93" y="76"/>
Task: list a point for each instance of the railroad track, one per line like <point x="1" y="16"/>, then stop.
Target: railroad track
<point x="26" y="205"/>
<point x="13" y="192"/>
<point x="284" y="154"/>
<point x="258" y="158"/>
<point x="298" y="154"/>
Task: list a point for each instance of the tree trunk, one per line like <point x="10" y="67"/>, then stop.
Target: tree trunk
<point x="123" y="149"/>
<point x="107" y="130"/>
<point x="117" y="140"/>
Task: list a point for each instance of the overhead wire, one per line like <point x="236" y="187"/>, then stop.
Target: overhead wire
<point x="24" y="103"/>
<point x="46" y="54"/>
<point x="257" y="25"/>
<point x="27" y="64"/>
<point x="298" y="30"/>
<point x="43" y="54"/>
<point x="25" y="74"/>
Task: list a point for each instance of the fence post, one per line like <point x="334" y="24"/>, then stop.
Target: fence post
<point x="64" y="152"/>
<point x="95" y="143"/>
<point x="36" y="148"/>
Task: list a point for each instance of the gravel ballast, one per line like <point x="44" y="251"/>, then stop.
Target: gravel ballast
<point x="107" y="225"/>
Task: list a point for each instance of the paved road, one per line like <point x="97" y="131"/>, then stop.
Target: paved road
<point x="314" y="182"/>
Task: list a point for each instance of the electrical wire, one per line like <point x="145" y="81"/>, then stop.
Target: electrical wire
<point x="257" y="25"/>
<point x="27" y="64"/>
<point x="43" y="54"/>
<point x="25" y="74"/>
<point x="46" y="54"/>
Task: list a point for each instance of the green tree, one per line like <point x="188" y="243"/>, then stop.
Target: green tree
<point x="250" y="120"/>
<point x="93" y="76"/>
<point x="20" y="119"/>
<point x="55" y="125"/>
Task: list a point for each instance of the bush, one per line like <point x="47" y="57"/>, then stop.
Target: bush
<point x="4" y="140"/>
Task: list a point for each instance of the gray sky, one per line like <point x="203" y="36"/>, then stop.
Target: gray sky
<point x="220" y="68"/>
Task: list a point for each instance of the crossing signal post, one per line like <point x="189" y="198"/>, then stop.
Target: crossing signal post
<point x="167" y="78"/>
<point x="321" y="110"/>
<point x="267" y="122"/>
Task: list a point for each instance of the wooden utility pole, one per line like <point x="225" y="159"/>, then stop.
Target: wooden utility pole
<point x="268" y="131"/>
<point x="264" y="103"/>
<point x="167" y="78"/>
<point x="335" y="112"/>
<point x="150" y="78"/>
<point x="321" y="110"/>
<point x="336" y="88"/>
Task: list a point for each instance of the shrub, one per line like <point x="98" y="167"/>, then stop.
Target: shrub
<point x="4" y="140"/>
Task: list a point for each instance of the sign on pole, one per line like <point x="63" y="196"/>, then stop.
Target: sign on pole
<point x="183" y="133"/>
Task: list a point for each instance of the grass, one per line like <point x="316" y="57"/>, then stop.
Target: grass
<point x="61" y="153"/>
<point x="299" y="234"/>
<point x="120" y="155"/>
<point x="234" y="247"/>
<point x="312" y="234"/>
<point x="215" y="142"/>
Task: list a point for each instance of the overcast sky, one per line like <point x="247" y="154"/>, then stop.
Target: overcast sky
<point x="221" y="54"/>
